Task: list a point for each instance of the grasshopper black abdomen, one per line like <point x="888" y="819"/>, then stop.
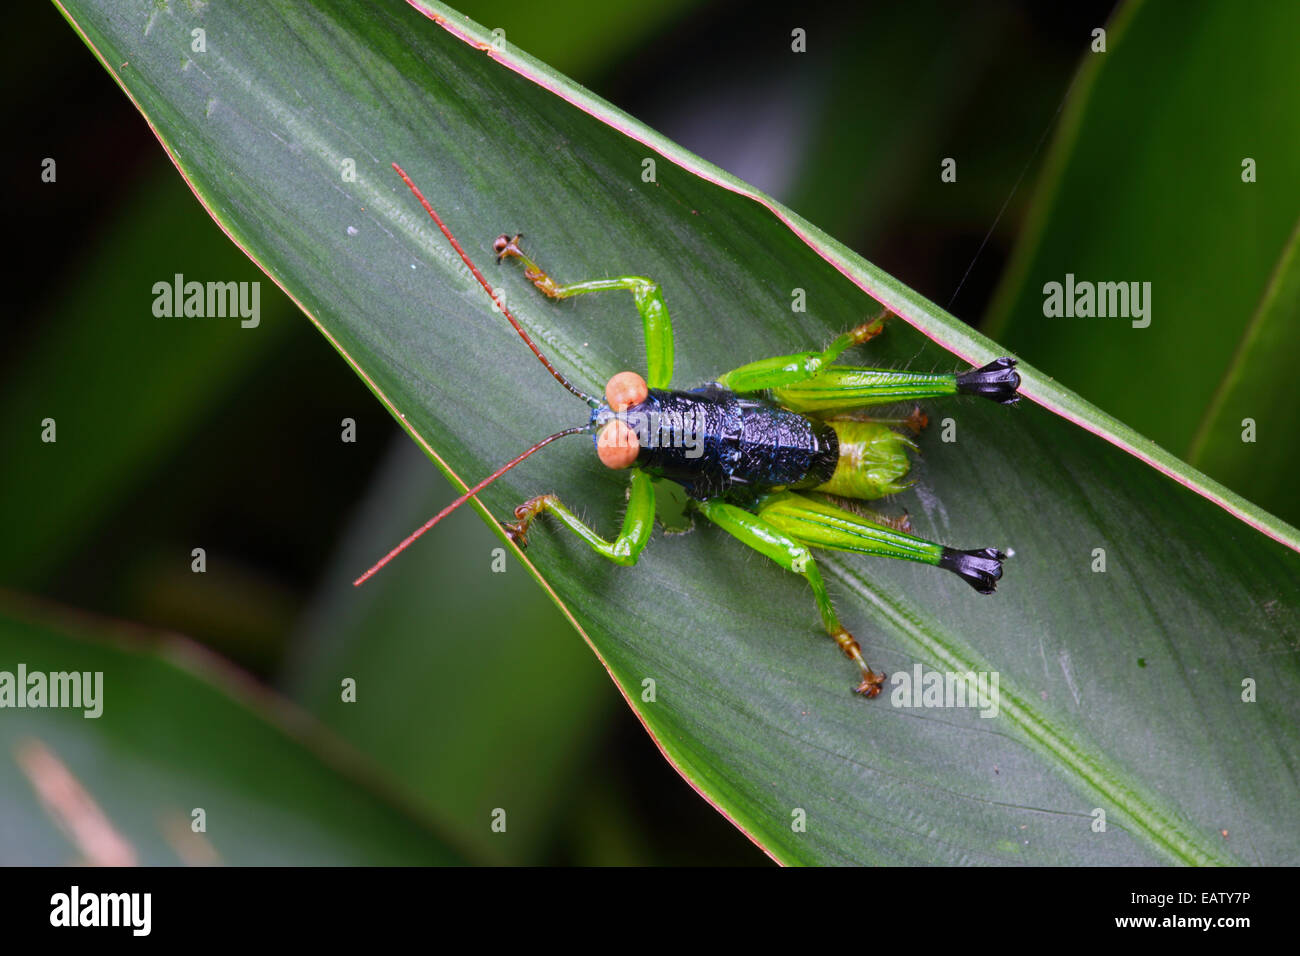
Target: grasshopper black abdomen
<point x="711" y="440"/>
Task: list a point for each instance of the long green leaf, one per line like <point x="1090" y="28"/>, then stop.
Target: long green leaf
<point x="1121" y="689"/>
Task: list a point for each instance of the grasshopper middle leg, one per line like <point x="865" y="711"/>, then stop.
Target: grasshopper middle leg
<point x="638" y="522"/>
<point x="793" y="556"/>
<point x="771" y="373"/>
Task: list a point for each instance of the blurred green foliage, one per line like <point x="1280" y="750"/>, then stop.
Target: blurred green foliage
<point x="1124" y="199"/>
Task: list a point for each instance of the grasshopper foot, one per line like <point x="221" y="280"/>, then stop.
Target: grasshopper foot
<point x="871" y="684"/>
<point x="868" y="330"/>
<point x="903" y="523"/>
<point x="517" y="532"/>
<point x="981" y="569"/>
<point x="871" y="680"/>
<point x="997" y="381"/>
<point x="525" y="515"/>
<point x="507" y="246"/>
<point x="917" y="421"/>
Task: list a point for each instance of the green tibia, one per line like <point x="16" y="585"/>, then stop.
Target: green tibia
<point x="638" y="522"/>
<point x="782" y="370"/>
<point x="844" y="387"/>
<point x="873" y="461"/>
<point x="820" y="524"/>
<point x="646" y="293"/>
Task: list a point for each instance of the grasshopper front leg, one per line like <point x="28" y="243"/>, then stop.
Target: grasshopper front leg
<point x="646" y="293"/>
<point x="638" y="522"/>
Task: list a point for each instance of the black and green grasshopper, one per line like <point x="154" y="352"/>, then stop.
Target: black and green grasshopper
<point x="763" y="452"/>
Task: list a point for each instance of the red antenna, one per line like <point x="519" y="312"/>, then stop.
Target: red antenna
<point x="461" y="500"/>
<point x="488" y="289"/>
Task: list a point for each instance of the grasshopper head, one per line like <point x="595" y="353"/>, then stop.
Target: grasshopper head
<point x="617" y="444"/>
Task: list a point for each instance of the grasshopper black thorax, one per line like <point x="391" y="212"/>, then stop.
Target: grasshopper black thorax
<point x="711" y="440"/>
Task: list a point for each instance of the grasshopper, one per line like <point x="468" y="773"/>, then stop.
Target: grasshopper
<point x="773" y="452"/>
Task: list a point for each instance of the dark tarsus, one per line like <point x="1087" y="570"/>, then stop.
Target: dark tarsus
<point x="997" y="381"/>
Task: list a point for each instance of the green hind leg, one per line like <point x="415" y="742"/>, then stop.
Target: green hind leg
<point x="793" y="556"/>
<point x="646" y="293"/>
<point x="821" y="524"/>
<point x="808" y="382"/>
<point x="841" y="386"/>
